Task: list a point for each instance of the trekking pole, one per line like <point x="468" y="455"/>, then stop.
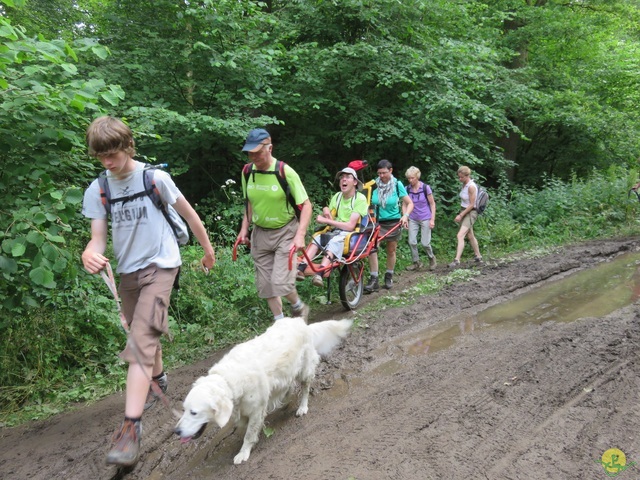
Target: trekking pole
<point x="111" y="283"/>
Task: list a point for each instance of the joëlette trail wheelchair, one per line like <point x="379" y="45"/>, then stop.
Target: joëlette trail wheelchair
<point x="358" y="245"/>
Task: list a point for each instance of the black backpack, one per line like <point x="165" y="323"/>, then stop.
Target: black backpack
<point x="282" y="180"/>
<point x="173" y="218"/>
<point x="424" y="191"/>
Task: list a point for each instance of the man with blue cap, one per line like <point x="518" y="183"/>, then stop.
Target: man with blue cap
<point x="277" y="226"/>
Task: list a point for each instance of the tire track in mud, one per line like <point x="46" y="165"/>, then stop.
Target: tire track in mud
<point x="535" y="432"/>
<point x="378" y="429"/>
<point x="412" y="434"/>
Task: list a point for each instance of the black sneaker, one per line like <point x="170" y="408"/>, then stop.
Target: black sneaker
<point x="152" y="397"/>
<point x="372" y="286"/>
<point x="388" y="280"/>
<point x="125" y="444"/>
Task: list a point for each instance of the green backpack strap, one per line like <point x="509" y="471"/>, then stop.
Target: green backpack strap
<point x="278" y="171"/>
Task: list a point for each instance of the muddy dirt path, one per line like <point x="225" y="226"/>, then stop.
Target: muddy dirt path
<point x="538" y="402"/>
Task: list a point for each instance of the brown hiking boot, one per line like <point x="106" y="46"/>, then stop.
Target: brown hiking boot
<point x="152" y="396"/>
<point x="415" y="266"/>
<point x="125" y="444"/>
<point x="432" y="263"/>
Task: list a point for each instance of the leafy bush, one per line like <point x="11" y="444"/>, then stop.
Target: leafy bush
<point x="561" y="211"/>
<point x="41" y="148"/>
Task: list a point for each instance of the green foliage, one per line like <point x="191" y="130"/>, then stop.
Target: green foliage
<point x="53" y="355"/>
<point x="224" y="215"/>
<point x="583" y="60"/>
<point x="41" y="122"/>
<point x="561" y="212"/>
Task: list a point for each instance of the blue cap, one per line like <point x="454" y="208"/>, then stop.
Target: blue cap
<point x="256" y="137"/>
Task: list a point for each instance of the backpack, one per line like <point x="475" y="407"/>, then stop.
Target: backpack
<point x="278" y="171"/>
<point x="175" y="221"/>
<point x="409" y="192"/>
<point x="482" y="199"/>
<point x="424" y="192"/>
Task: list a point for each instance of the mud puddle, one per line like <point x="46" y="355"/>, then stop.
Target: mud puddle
<point x="595" y="292"/>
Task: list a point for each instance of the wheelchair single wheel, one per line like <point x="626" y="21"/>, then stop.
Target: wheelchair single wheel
<point x="351" y="285"/>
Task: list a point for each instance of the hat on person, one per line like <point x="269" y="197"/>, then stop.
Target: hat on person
<point x="255" y="139"/>
<point x="351" y="172"/>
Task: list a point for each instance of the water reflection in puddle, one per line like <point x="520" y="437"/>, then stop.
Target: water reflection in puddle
<point x="594" y="292"/>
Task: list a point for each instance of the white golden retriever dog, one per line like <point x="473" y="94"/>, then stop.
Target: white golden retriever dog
<point x="255" y="377"/>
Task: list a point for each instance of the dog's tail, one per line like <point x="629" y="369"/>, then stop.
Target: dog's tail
<point x="327" y="335"/>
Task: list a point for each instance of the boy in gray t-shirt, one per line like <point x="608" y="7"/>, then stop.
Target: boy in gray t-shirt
<point x="148" y="258"/>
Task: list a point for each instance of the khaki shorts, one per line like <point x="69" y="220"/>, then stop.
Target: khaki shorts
<point x="469" y="219"/>
<point x="145" y="298"/>
<point x="386" y="225"/>
<point x="270" y="252"/>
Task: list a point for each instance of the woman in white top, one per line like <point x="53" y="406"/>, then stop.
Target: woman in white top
<point x="467" y="217"/>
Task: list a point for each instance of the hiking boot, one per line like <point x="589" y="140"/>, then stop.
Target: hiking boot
<point x="432" y="263"/>
<point x="454" y="264"/>
<point x="372" y="286"/>
<point x="152" y="397"/>
<point x="415" y="266"/>
<point x="388" y="280"/>
<point x="478" y="259"/>
<point x="303" y="311"/>
<point x="317" y="281"/>
<point x="125" y="444"/>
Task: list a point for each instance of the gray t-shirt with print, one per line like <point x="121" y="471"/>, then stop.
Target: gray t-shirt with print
<point x="141" y="235"/>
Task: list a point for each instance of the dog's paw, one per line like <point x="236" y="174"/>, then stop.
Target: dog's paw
<point x="302" y="410"/>
<point x="242" y="456"/>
